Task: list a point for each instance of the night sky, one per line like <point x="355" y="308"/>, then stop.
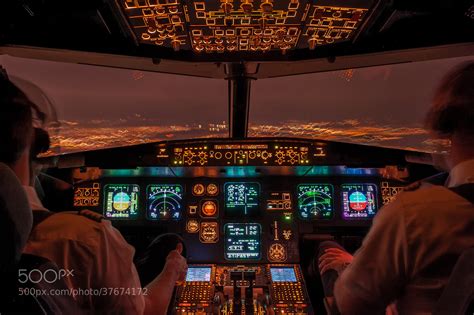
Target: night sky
<point x="103" y="107"/>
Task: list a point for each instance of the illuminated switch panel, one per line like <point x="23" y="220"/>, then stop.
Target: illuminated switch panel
<point x="247" y="25"/>
<point x="87" y="196"/>
<point x="327" y="25"/>
<point x="220" y="26"/>
<point x="389" y="192"/>
<point x="158" y="22"/>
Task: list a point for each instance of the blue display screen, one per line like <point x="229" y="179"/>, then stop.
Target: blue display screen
<point x="198" y="274"/>
<point x="241" y="199"/>
<point x="283" y="274"/>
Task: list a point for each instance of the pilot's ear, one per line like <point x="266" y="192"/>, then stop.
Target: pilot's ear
<point x="41" y="142"/>
<point x="179" y="248"/>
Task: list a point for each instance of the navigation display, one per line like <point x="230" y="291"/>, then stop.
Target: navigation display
<point x="283" y="274"/>
<point x="198" y="274"/>
<point x="359" y="201"/>
<point x="164" y="202"/>
<point x="121" y="201"/>
<point x="241" y="199"/>
<point x="242" y="241"/>
<point x="315" y="201"/>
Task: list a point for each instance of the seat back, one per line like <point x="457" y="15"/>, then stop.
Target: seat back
<point x="458" y="295"/>
<point x="16" y="220"/>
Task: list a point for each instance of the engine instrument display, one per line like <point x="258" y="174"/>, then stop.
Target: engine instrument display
<point x="242" y="241"/>
<point x="198" y="274"/>
<point x="359" y="201"/>
<point x="241" y="199"/>
<point x="315" y="201"/>
<point x="164" y="202"/>
<point x="121" y="201"/>
<point x="283" y="274"/>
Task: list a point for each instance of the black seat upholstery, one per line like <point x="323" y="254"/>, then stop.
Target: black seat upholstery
<point x="458" y="296"/>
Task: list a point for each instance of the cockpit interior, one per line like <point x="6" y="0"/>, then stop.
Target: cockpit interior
<point x="255" y="189"/>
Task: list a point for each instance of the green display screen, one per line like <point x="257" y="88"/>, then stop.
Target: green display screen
<point x="315" y="201"/>
<point x="242" y="241"/>
<point x="241" y="199"/>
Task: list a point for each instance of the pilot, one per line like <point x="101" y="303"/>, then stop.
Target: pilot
<point x="414" y="242"/>
<point x="93" y="252"/>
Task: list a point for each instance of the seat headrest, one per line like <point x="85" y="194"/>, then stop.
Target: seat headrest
<point x="16" y="218"/>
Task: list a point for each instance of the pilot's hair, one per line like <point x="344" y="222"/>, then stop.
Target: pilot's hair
<point x="16" y="129"/>
<point x="452" y="110"/>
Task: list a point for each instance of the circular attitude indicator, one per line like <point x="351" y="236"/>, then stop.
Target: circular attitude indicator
<point x="164" y="202"/>
<point x="357" y="201"/>
<point x="315" y="201"/>
<point x="121" y="201"/>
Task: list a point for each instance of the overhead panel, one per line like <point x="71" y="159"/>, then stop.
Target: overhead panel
<point x="221" y="26"/>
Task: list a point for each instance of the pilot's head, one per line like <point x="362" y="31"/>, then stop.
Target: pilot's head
<point x="19" y="139"/>
<point x="451" y="115"/>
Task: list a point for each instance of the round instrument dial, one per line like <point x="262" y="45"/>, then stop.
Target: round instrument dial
<point x="192" y="226"/>
<point x="212" y="189"/>
<point x="198" y="189"/>
<point x="277" y="252"/>
<point x="209" y="208"/>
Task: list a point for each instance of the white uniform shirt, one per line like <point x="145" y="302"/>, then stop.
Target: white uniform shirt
<point x="411" y="243"/>
<point x="98" y="254"/>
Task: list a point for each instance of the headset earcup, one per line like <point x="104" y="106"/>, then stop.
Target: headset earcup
<point x="41" y="142"/>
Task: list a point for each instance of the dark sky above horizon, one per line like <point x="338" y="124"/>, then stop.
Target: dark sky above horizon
<point x="379" y="105"/>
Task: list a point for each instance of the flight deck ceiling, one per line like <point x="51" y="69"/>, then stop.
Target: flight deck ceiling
<point x="273" y="37"/>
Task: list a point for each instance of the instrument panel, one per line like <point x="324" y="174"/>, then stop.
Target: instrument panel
<point x="248" y="211"/>
<point x="238" y="220"/>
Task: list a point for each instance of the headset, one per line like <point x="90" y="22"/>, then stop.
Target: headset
<point x="8" y="90"/>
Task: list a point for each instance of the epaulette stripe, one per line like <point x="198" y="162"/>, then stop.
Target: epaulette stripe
<point x="413" y="186"/>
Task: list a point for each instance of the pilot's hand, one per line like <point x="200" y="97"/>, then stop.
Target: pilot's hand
<point x="335" y="259"/>
<point x="176" y="264"/>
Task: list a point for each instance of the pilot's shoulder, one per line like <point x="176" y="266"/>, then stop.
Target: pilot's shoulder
<point x="74" y="225"/>
<point x="91" y="215"/>
<point x="422" y="195"/>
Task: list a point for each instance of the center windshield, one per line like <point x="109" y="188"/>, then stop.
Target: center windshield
<point x="99" y="107"/>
